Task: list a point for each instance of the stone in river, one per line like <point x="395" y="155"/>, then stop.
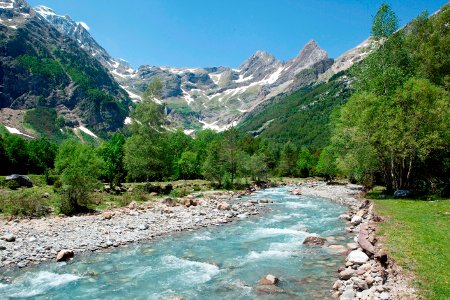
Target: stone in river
<point x="269" y="280"/>
<point x="314" y="240"/>
<point x="64" y="255"/>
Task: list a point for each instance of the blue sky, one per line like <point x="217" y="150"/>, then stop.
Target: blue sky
<point x="200" y="33"/>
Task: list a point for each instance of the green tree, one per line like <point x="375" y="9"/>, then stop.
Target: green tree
<point x="257" y="167"/>
<point x="326" y="165"/>
<point x="80" y="167"/>
<point x="153" y="90"/>
<point x="112" y="153"/>
<point x="288" y="160"/>
<point x="143" y="151"/>
<point x="187" y="165"/>
<point x="214" y="167"/>
<point x="305" y="162"/>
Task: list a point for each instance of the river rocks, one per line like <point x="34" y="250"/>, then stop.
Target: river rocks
<point x="265" y="201"/>
<point x="360" y="284"/>
<point x="363" y="239"/>
<point x="169" y="201"/>
<point x="107" y="215"/>
<point x="269" y="280"/>
<point x="269" y="289"/>
<point x="296" y="192"/>
<point x="9" y="237"/>
<point x="64" y="255"/>
<point x="357" y="257"/>
<point x="314" y="240"/>
<point x="223" y="206"/>
<point x="133" y="205"/>
<point x="356" y="220"/>
<point x="348" y="294"/>
<point x="346" y="273"/>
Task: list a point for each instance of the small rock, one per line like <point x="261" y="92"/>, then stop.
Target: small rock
<point x="9" y="237"/>
<point x="223" y="206"/>
<point x="296" y="192"/>
<point x="384" y="296"/>
<point x="337" y="285"/>
<point x="356" y="220"/>
<point x="22" y="264"/>
<point x="269" y="280"/>
<point x="359" y="283"/>
<point x="143" y="227"/>
<point x="46" y="195"/>
<point x="346" y="274"/>
<point x="357" y="257"/>
<point x="348" y="294"/>
<point x="107" y="215"/>
<point x="369" y="279"/>
<point x="314" y="240"/>
<point x="352" y="246"/>
<point x="64" y="255"/>
<point x="133" y="205"/>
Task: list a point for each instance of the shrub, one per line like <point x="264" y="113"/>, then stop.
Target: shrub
<point x="23" y="203"/>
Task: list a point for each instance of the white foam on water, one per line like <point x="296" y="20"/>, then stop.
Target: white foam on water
<point x="278" y="219"/>
<point x="299" y="204"/>
<point x="268" y="232"/>
<point x="268" y="254"/>
<point x="193" y="272"/>
<point x="202" y="237"/>
<point x="39" y="283"/>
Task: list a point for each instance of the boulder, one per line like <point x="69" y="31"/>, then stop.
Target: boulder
<point x="356" y="220"/>
<point x="269" y="289"/>
<point x="269" y="280"/>
<point x="357" y="257"/>
<point x="314" y="240"/>
<point x="363" y="239"/>
<point x="223" y="206"/>
<point x="402" y="193"/>
<point x="16" y="181"/>
<point x="64" y="255"/>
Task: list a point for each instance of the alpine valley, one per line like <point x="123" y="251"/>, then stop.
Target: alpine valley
<point x="52" y="65"/>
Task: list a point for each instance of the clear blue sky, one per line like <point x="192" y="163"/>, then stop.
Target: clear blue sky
<point x="200" y="33"/>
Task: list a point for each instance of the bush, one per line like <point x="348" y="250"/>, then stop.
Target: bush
<point x="23" y="203"/>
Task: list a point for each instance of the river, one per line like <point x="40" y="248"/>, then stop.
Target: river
<point x="222" y="262"/>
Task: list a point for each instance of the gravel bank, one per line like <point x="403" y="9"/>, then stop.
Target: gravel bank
<point x="29" y="242"/>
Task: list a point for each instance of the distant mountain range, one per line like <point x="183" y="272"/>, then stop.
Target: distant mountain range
<point x="91" y="88"/>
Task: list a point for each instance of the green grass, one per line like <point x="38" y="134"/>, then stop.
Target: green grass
<point x="417" y="236"/>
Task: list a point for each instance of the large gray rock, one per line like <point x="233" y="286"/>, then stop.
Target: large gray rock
<point x="314" y="240"/>
<point x="19" y="180"/>
<point x="64" y="255"/>
<point x="357" y="257"/>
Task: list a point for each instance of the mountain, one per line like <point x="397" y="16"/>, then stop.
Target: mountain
<point x="218" y="97"/>
<point x="42" y="68"/>
<point x="211" y="97"/>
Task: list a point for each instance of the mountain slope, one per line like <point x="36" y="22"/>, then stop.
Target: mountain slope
<point x="40" y="67"/>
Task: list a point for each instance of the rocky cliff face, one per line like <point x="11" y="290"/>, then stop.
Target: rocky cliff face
<point x="41" y="67"/>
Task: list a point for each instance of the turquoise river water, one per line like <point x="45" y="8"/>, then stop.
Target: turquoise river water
<point x="222" y="262"/>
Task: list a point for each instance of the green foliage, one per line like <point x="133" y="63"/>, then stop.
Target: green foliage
<point x="41" y="66"/>
<point x="153" y="90"/>
<point x="25" y="202"/>
<point x="301" y="117"/>
<point x="326" y="165"/>
<point x="288" y="160"/>
<point x="385" y="22"/>
<point x="187" y="165"/>
<point x="305" y="162"/>
<point x="80" y="168"/>
<point x="112" y="153"/>
<point x="45" y="122"/>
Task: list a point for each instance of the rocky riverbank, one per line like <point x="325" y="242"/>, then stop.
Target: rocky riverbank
<point x="29" y="242"/>
<point x="369" y="273"/>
